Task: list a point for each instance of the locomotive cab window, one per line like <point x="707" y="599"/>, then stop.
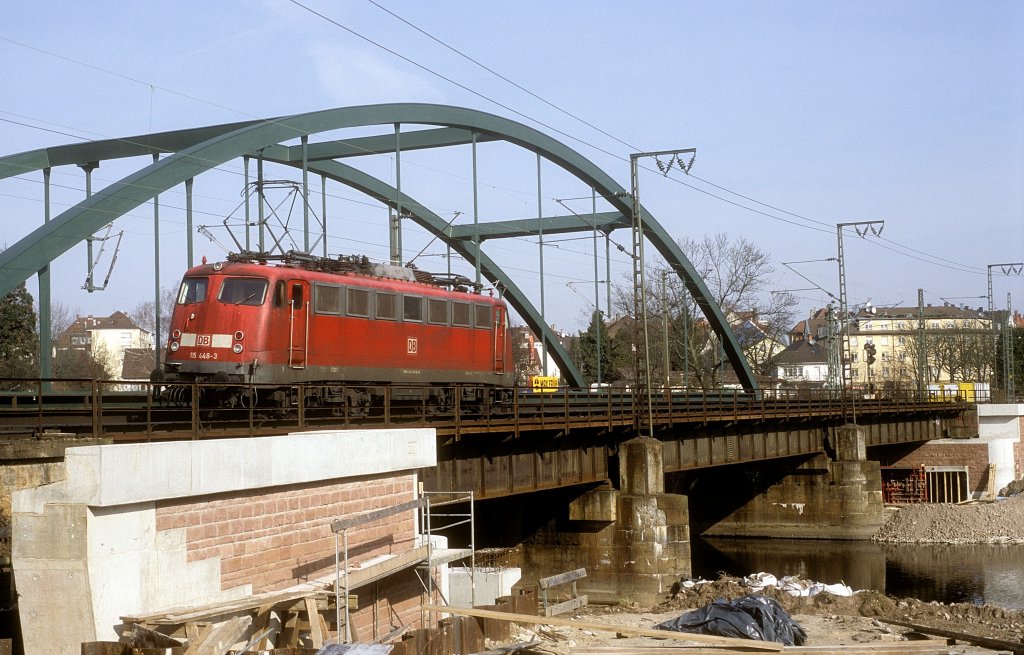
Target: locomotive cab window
<point x="482" y="316"/>
<point x="437" y="311"/>
<point x="460" y="314"/>
<point x="412" y="308"/>
<point x="358" y="301"/>
<point x="193" y="290"/>
<point x="326" y="299"/>
<point x="386" y="306"/>
<point x="243" y="291"/>
<point x="298" y="302"/>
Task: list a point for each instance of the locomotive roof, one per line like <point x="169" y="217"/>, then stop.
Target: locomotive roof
<point x="351" y="267"/>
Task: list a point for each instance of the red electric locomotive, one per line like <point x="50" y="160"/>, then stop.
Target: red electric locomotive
<point x="350" y="324"/>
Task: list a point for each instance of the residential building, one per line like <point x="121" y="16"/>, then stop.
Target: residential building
<point x="804" y="363"/>
<point x="106" y="340"/>
<point x="955" y="343"/>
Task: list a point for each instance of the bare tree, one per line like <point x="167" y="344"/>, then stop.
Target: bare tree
<point x="144" y="314"/>
<point x="738" y="275"/>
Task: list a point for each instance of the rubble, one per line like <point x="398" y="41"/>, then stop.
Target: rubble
<point x="996" y="522"/>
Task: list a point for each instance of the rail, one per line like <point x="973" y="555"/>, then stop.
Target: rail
<point x="143" y="411"/>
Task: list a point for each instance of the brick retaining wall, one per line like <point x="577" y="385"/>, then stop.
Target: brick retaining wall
<point x="281" y="537"/>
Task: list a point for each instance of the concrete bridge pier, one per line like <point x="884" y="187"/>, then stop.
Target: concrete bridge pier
<point x="821" y="498"/>
<point x="634" y="541"/>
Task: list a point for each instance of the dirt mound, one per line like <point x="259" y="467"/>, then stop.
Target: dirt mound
<point x="983" y="620"/>
<point x="974" y="523"/>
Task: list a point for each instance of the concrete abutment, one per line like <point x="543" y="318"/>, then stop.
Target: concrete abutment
<point x="818" y="498"/>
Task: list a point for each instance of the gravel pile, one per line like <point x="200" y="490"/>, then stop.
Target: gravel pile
<point x="974" y="523"/>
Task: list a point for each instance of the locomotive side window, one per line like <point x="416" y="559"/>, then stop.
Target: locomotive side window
<point x="412" y="308"/>
<point x="437" y="311"/>
<point x="243" y="291"/>
<point x="460" y="314"/>
<point x="482" y="316"/>
<point x="193" y="290"/>
<point x="387" y="306"/>
<point x="279" y="293"/>
<point x="326" y="299"/>
<point x="358" y="302"/>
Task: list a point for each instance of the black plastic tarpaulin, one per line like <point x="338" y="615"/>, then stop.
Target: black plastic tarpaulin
<point x="750" y="617"/>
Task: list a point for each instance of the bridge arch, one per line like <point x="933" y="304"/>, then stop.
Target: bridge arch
<point x="199" y="150"/>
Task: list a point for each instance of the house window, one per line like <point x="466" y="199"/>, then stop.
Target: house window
<point x="854" y="373"/>
<point x="885" y="371"/>
<point x="853" y="341"/>
<point x="884" y="341"/>
<point x="126" y="339"/>
<point x="867" y="326"/>
<point x="901" y="340"/>
<point x="900" y="325"/>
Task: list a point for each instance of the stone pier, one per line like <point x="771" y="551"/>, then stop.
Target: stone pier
<point x="634" y="541"/>
<point x="820" y="498"/>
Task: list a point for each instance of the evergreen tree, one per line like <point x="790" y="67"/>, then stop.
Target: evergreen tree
<point x="19" y="343"/>
<point x="611" y="352"/>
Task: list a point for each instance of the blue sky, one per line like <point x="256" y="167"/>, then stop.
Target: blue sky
<point x="911" y="112"/>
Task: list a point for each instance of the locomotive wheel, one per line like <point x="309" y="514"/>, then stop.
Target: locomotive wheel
<point x="248" y="398"/>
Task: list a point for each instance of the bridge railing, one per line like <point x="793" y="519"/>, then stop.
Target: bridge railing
<point x="145" y="410"/>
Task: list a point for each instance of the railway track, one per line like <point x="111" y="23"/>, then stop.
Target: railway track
<point x="80" y="409"/>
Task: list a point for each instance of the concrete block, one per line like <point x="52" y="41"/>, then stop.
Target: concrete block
<point x="641" y="468"/>
<point x="850" y="444"/>
<point x="490" y="583"/>
<point x="598" y="505"/>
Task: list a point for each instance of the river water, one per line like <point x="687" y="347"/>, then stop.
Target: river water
<point x="990" y="574"/>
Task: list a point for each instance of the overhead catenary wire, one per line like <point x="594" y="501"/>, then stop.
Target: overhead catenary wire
<point x="152" y="86"/>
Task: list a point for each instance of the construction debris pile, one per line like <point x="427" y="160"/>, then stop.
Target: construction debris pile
<point x="975" y="522"/>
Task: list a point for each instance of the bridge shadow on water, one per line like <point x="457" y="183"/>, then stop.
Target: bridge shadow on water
<point x="962" y="573"/>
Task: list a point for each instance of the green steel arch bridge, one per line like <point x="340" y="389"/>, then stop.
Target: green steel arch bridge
<point x="178" y="157"/>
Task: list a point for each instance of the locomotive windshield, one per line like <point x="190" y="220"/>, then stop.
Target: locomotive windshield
<point x="193" y="290"/>
<point x="243" y="291"/>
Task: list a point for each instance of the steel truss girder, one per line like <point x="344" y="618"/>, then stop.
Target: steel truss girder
<point x="52" y="239"/>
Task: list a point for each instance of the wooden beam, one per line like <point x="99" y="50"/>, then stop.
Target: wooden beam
<point x="977" y="640"/>
<point x="603" y="627"/>
<point x="562" y="578"/>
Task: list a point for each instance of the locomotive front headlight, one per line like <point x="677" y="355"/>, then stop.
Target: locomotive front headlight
<point x="176" y="334"/>
<point x="237" y="348"/>
<point x="239" y="335"/>
<point x="174" y="346"/>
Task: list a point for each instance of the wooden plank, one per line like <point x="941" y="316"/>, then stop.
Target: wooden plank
<point x="602" y="627"/>
<point x="562" y="578"/>
<point x="977" y="640"/>
<point x="315" y="633"/>
<point x="511" y="648"/>
<point x="384" y="568"/>
<point x="566" y="606"/>
<point x="218" y="640"/>
<point x="927" y="647"/>
<point x="375" y="515"/>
